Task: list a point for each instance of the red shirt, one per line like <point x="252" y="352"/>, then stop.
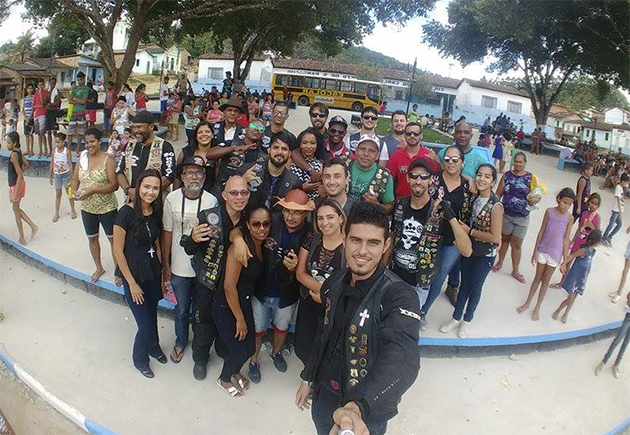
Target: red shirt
<point x="40" y="99"/>
<point x="398" y="164"/>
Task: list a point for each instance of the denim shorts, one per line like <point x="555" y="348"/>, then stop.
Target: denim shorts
<point x="268" y="310"/>
<point x="62" y="181"/>
<point x="91" y="223"/>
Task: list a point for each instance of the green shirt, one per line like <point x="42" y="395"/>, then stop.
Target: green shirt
<point x="360" y="181"/>
<point x="413" y="116"/>
<point x="79" y="93"/>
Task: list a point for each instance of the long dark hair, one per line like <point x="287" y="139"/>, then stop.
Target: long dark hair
<point x="157" y="204"/>
<point x="15" y="138"/>
<point x="194" y="143"/>
<point x="247" y="214"/>
<point x="319" y="140"/>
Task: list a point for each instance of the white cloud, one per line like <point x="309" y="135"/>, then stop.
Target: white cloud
<point x="14" y="26"/>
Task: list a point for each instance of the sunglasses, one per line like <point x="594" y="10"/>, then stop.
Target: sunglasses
<point x="317" y="115"/>
<point x="412" y="133"/>
<point x="257" y="224"/>
<point x="452" y="159"/>
<point x="336" y="131"/>
<point x="423" y="176"/>
<point x="255" y="126"/>
<point x="235" y="193"/>
<point x="370" y="118"/>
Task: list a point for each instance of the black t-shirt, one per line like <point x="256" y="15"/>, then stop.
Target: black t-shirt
<point x="232" y="163"/>
<point x="140" y="248"/>
<point x="269" y="136"/>
<point x="140" y="159"/>
<point x="405" y="253"/>
<point x="456" y="197"/>
<point x="323" y="262"/>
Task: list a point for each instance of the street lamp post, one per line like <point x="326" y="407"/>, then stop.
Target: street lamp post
<point x="413" y="76"/>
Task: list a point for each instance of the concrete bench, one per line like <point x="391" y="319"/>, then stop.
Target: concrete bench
<point x="562" y="162"/>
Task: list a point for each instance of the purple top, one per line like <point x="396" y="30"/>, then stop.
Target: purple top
<point x="517" y="189"/>
<point x="552" y="241"/>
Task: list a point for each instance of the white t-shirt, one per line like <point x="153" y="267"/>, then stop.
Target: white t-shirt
<point x="163" y="92"/>
<point x="180" y="261"/>
<point x="618" y="194"/>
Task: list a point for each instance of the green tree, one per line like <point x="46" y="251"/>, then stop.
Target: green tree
<point x="369" y="72"/>
<point x="66" y="35"/>
<point x="20" y="50"/>
<point x="538" y="38"/>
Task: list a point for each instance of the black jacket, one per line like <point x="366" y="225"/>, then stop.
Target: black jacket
<point x="391" y="342"/>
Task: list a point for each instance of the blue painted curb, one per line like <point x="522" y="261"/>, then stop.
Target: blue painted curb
<point x="620" y="428"/>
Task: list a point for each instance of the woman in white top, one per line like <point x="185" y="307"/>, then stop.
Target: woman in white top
<point x="120" y="115"/>
<point x="61" y="173"/>
<point x="130" y="98"/>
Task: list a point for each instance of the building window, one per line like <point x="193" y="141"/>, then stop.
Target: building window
<point x="606" y="137"/>
<point x="213" y="73"/>
<point x="399" y="95"/>
<point x="489" y="102"/>
<point x="558" y="123"/>
<point x="588" y="133"/>
<point x="514" y="107"/>
<point x="137" y="62"/>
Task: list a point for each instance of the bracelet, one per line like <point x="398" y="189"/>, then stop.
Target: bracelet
<point x="470" y="232"/>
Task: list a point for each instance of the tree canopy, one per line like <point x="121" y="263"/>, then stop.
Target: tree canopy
<point x="65" y="36"/>
<point x="538" y="38"/>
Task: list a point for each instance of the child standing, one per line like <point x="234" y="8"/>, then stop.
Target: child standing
<point x="623" y="334"/>
<point x="552" y="245"/>
<point x="17" y="185"/>
<point x="617" y="210"/>
<point x="616" y="295"/>
<point x="575" y="281"/>
<point x="497" y="154"/>
<point x="61" y="173"/>
<point x="508" y="148"/>
<point x="115" y="147"/>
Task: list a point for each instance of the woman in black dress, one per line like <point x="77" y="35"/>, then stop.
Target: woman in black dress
<point x="320" y="255"/>
<point x="232" y="308"/>
<point x="136" y="230"/>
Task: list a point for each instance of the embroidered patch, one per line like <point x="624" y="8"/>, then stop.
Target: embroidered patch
<point x="409" y="313"/>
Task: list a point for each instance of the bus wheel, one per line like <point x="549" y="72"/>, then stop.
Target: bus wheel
<point x="303" y="100"/>
<point x="357" y="107"/>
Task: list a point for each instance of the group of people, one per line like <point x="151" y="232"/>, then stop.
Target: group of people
<point x="351" y="239"/>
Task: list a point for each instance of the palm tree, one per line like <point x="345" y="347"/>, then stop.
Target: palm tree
<point x="25" y="45"/>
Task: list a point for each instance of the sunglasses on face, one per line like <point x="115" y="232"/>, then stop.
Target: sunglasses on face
<point x="452" y="159"/>
<point x="257" y="224"/>
<point x="336" y="131"/>
<point x="370" y="118"/>
<point x="235" y="193"/>
<point x="423" y="176"/>
<point x="412" y="133"/>
<point x="255" y="126"/>
<point x="317" y="115"/>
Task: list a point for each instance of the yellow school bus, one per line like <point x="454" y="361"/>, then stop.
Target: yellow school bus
<point x="342" y="93"/>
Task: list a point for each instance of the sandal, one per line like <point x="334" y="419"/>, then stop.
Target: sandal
<point x="177" y="355"/>
<point x="232" y="391"/>
<point x="520" y="278"/>
<point x="496" y="268"/>
<point x="243" y="383"/>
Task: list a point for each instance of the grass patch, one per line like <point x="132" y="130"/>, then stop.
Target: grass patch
<point x="384" y="128"/>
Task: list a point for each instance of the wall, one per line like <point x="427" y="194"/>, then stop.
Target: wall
<point x="620" y="139"/>
<point x="259" y="77"/>
<point x="120" y="37"/>
<point x="144" y="57"/>
<point x="600" y="137"/>
<point x="616" y="116"/>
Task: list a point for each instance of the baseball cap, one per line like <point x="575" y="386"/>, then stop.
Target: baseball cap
<point x="337" y="120"/>
<point x="370" y="138"/>
<point x="420" y="162"/>
<point x="189" y="161"/>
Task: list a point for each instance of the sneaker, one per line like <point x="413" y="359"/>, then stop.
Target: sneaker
<point x="615" y="370"/>
<point x="449" y="326"/>
<point x="279" y="362"/>
<point x="464" y="329"/>
<point x="199" y="371"/>
<point x="254" y="372"/>
<point x="613" y="294"/>
<point x="615" y="298"/>
<point x="423" y="321"/>
<point x="599" y="369"/>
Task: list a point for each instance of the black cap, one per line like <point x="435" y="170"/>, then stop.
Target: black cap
<point x="420" y="162"/>
<point x="189" y="161"/>
<point x="143" y="117"/>
<point x="337" y="120"/>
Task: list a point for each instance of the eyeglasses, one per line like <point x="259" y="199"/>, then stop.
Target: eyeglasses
<point x="336" y="131"/>
<point x="296" y="213"/>
<point x="318" y="115"/>
<point x="257" y="224"/>
<point x="280" y="114"/>
<point x="194" y="174"/>
<point x="423" y="176"/>
<point x="452" y="159"/>
<point x="412" y="133"/>
<point x="235" y="193"/>
<point x="256" y="126"/>
<point x="370" y="118"/>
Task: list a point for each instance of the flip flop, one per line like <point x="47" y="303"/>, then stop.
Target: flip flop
<point x="496" y="268"/>
<point x="232" y="391"/>
<point x="176" y="356"/>
<point x="520" y="278"/>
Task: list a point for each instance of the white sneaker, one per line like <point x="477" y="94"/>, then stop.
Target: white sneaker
<point x="615" y="298"/>
<point x="464" y="329"/>
<point x="449" y="326"/>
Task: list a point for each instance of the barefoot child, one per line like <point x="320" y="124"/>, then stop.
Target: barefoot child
<point x="17" y="185"/>
<point x="552" y="245"/>
<point x="589" y="220"/>
<point x="575" y="281"/>
<point x="61" y="173"/>
<point x="622" y="335"/>
<point x="616" y="213"/>
<point x="616" y="295"/>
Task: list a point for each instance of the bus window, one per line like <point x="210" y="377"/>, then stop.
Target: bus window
<point x="282" y="80"/>
<point x="310" y="82"/>
<point x="374" y="93"/>
<point x="344" y="86"/>
<point x="296" y="81"/>
<point x="328" y="84"/>
<point x="360" y="88"/>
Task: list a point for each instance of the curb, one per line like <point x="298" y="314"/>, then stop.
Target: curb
<point x="68" y="411"/>
<point x="432" y="346"/>
<point x="620" y="428"/>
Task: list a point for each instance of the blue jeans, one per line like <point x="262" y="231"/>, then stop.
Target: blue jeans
<point x="449" y="256"/>
<point x="107" y="124"/>
<point x="615" y="221"/>
<point x="322" y="410"/>
<point x="183" y="289"/>
<point x="474" y="273"/>
<point x="453" y="277"/>
<point x="623" y="334"/>
<point x="146" y="342"/>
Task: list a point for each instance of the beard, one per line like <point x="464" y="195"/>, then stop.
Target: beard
<point x="193" y="186"/>
<point x="278" y="164"/>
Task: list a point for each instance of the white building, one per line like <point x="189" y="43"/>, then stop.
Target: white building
<point x="617" y="116"/>
<point x="212" y="68"/>
<point x="600" y="133"/>
<point x="476" y="95"/>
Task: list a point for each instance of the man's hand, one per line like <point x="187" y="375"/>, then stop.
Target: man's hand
<point x="301" y="397"/>
<point x="290" y="261"/>
<point x="131" y="193"/>
<point x="471" y="184"/>
<point x="250" y="174"/>
<point x="201" y="233"/>
<point x="315" y="176"/>
<point x="241" y="251"/>
<point x="370" y="198"/>
<point x="349" y="417"/>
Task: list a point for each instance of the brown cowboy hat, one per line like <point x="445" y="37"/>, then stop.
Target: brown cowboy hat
<point x="232" y="102"/>
<point x="296" y="199"/>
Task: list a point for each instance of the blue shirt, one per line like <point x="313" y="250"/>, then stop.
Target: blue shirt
<point x="474" y="158"/>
